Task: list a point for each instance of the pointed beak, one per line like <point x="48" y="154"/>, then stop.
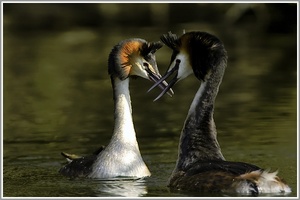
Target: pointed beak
<point x="155" y="77"/>
<point x="162" y="80"/>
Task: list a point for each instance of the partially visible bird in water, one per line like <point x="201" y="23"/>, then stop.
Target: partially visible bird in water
<point x="201" y="165"/>
<point x="121" y="157"/>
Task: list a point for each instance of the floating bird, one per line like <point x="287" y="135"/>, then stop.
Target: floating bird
<point x="200" y="165"/>
<point x="121" y="157"/>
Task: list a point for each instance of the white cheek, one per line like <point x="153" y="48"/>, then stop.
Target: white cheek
<point x="185" y="69"/>
<point x="139" y="70"/>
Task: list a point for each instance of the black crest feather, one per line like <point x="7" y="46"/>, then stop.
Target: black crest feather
<point x="171" y="40"/>
<point x="150" y="47"/>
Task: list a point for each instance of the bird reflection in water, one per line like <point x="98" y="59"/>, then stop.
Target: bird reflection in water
<point x="125" y="187"/>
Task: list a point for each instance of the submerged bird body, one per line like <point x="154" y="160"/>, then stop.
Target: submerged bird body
<point x="228" y="177"/>
<point x="200" y="165"/>
<point x="121" y="157"/>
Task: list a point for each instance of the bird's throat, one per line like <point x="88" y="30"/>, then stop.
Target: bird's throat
<point x="123" y="128"/>
<point x="198" y="140"/>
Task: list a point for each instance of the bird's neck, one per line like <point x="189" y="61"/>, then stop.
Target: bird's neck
<point x="123" y="128"/>
<point x="198" y="141"/>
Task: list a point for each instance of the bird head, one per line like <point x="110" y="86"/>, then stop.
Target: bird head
<point x="135" y="57"/>
<point x="195" y="53"/>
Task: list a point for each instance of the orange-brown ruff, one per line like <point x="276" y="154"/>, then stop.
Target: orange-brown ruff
<point x="200" y="165"/>
<point x="126" y="54"/>
<point x="121" y="157"/>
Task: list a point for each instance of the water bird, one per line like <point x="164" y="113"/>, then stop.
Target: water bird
<point x="200" y="165"/>
<point x="121" y="157"/>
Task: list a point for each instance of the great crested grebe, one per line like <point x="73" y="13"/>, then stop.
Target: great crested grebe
<point x="121" y="157"/>
<point x="200" y="165"/>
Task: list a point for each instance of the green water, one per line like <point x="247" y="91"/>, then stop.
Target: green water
<point x="57" y="97"/>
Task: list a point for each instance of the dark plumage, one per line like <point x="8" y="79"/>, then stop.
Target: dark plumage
<point x="200" y="165"/>
<point x="79" y="166"/>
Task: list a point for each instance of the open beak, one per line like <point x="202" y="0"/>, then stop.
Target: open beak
<point x="162" y="84"/>
<point x="167" y="87"/>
